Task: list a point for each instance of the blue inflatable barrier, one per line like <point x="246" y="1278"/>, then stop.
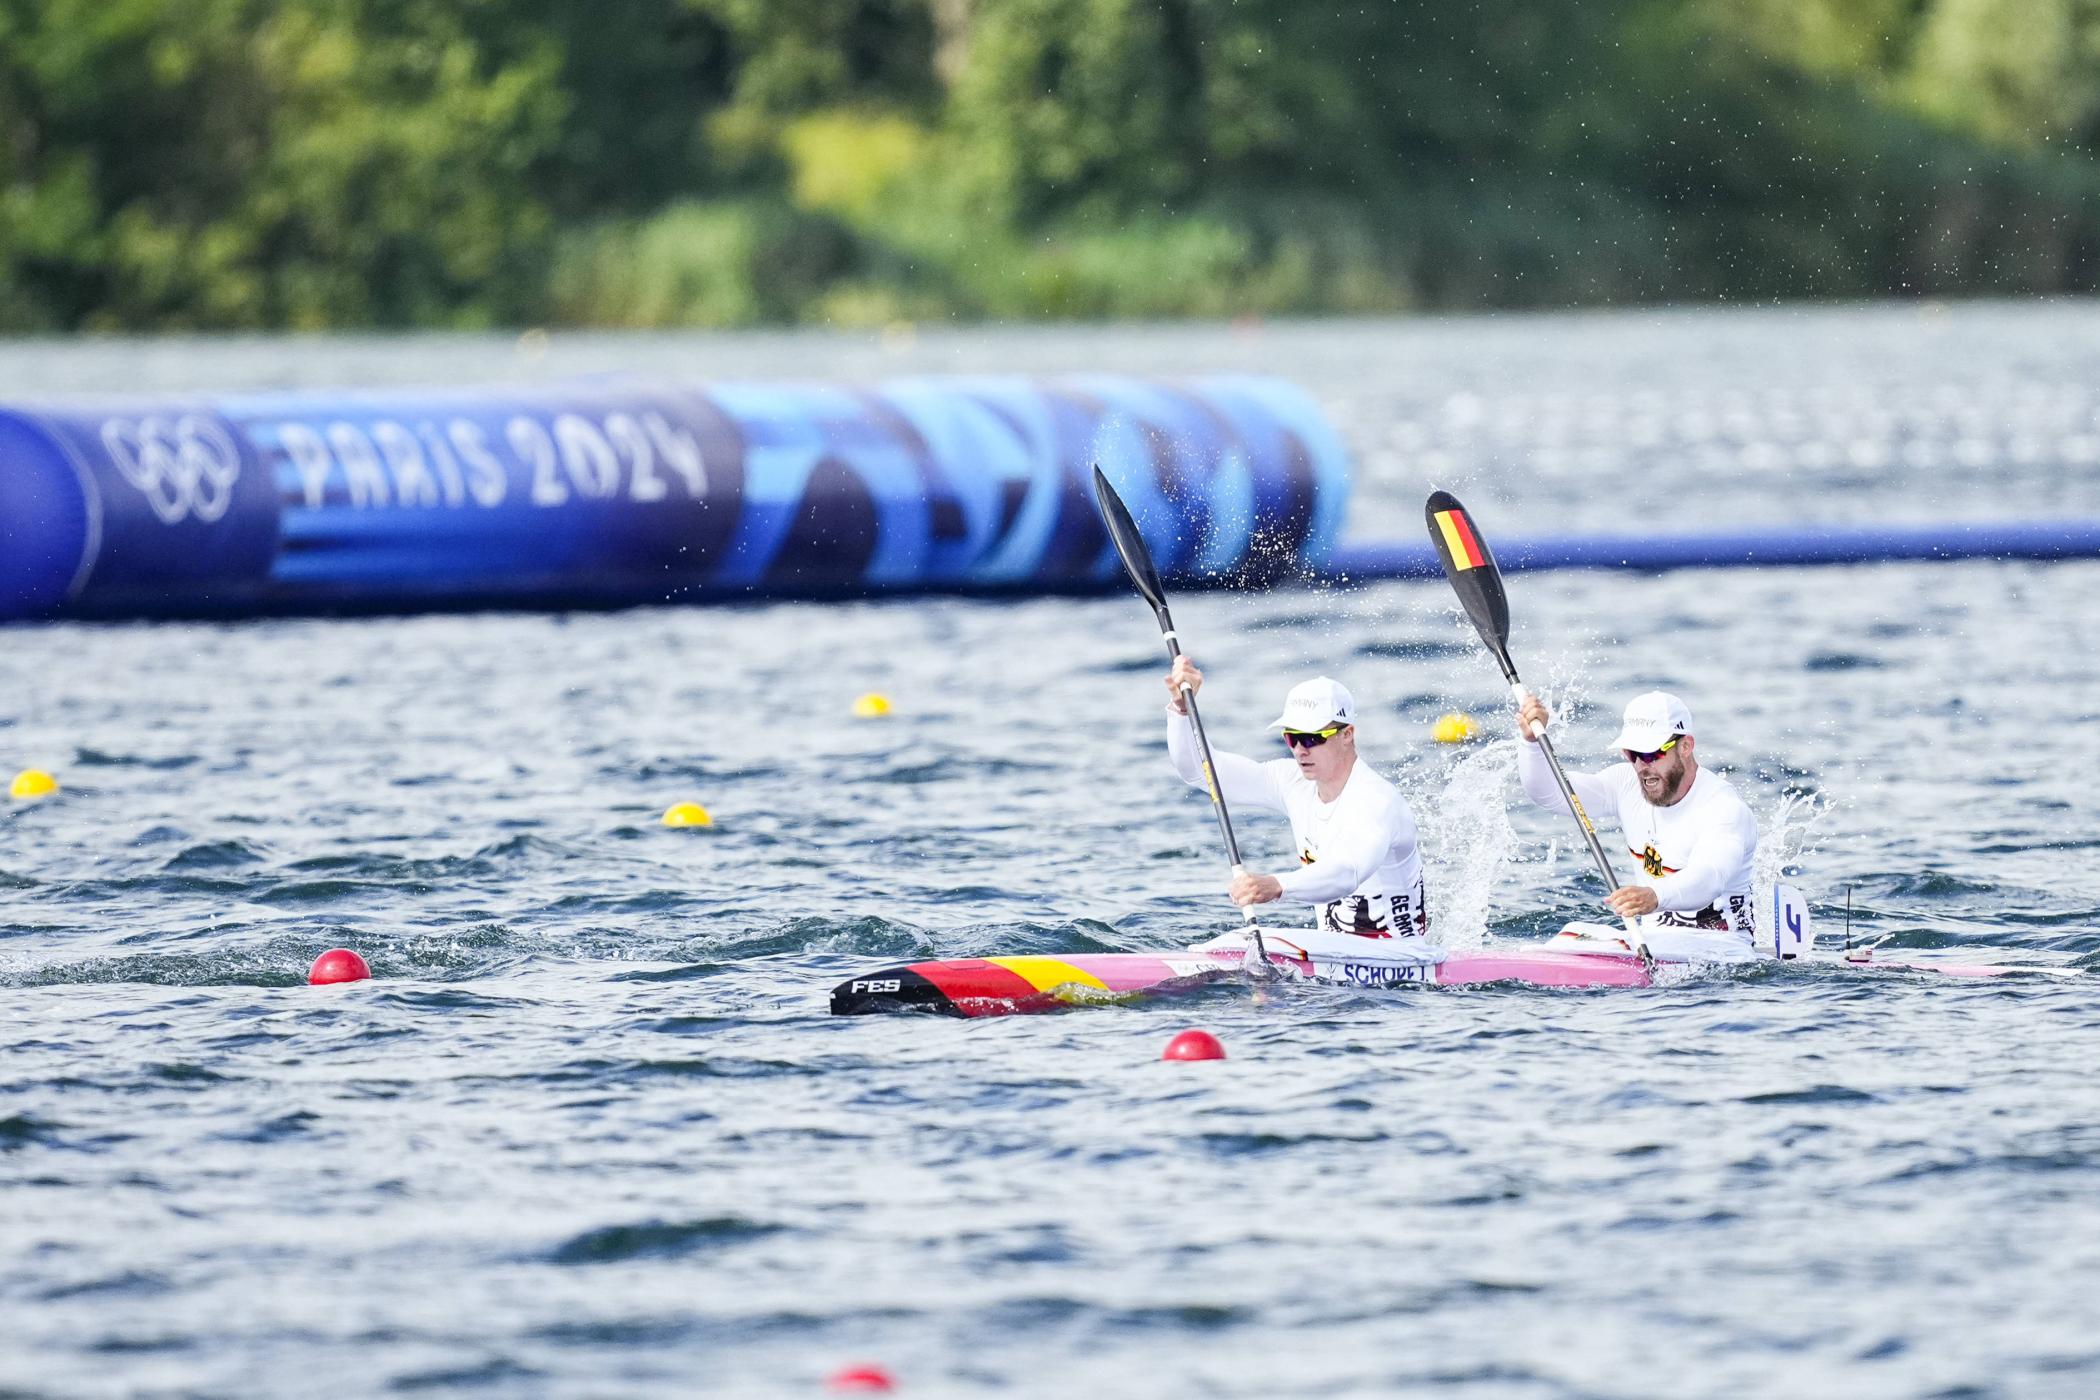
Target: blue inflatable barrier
<point x="625" y="491"/>
<point x="1825" y="544"/>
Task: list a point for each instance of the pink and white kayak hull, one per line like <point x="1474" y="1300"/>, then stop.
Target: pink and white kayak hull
<point x="1580" y="956"/>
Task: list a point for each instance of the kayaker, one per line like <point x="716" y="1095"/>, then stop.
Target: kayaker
<point x="1693" y="837"/>
<point x="1359" y="866"/>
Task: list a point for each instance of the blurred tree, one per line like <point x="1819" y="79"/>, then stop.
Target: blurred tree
<point x="638" y="80"/>
<point x="796" y="54"/>
<point x="245" y="163"/>
<point x="393" y="186"/>
<point x="2022" y="73"/>
<point x="171" y="163"/>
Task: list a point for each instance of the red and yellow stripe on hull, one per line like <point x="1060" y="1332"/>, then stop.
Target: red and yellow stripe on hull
<point x="1001" y="986"/>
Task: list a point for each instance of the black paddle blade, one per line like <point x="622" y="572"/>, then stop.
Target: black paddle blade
<point x="1470" y="566"/>
<point x="1137" y="560"/>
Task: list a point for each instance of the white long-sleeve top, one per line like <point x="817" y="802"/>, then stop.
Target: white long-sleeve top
<point x="1359" y="862"/>
<point x="1697" y="854"/>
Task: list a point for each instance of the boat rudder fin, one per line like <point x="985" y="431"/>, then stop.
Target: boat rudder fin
<point x="1789" y="934"/>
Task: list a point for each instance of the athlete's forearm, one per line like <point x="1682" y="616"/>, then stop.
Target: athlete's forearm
<point x="1703" y="878"/>
<point x="1341" y="870"/>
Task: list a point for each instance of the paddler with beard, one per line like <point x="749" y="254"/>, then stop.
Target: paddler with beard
<point x="1692" y="835"/>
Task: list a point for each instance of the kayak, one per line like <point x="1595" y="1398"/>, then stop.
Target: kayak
<point x="1580" y="955"/>
<point x="1002" y="986"/>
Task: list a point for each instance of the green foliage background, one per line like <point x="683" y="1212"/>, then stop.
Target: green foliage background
<point x="184" y="164"/>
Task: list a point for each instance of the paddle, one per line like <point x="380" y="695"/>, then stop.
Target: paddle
<point x="1137" y="562"/>
<point x="1478" y="582"/>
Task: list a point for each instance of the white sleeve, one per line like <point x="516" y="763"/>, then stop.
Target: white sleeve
<point x="1241" y="780"/>
<point x="1344" y="866"/>
<point x="1593" y="790"/>
<point x="1722" y="849"/>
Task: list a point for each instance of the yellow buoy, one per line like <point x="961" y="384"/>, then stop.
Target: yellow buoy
<point x="687" y="814"/>
<point x="1454" y="728"/>
<point x="871" y="705"/>
<point x="32" y="783"/>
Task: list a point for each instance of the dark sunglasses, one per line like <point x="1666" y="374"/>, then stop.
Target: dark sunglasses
<point x="1634" y="757"/>
<point x="1299" y="739"/>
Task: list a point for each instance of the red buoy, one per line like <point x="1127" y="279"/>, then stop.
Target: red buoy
<point x="861" y="1380"/>
<point x="337" y="965"/>
<point x="1193" y="1045"/>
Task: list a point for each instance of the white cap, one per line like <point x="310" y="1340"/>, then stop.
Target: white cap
<point x="1315" y="704"/>
<point x="1651" y="721"/>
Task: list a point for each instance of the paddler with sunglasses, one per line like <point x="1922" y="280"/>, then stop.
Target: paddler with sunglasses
<point x="1693" y="839"/>
<point x="1359" y="866"/>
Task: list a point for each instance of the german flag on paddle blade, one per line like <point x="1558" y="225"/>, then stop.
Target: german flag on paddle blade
<point x="1455" y="538"/>
<point x="1470" y="566"/>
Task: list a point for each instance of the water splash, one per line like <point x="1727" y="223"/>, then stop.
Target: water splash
<point x="1785" y="840"/>
<point x="1466" y="840"/>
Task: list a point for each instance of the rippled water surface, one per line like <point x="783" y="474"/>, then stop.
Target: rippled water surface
<point x="590" y="1131"/>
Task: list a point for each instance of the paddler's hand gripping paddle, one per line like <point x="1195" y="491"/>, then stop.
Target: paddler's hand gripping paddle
<point x="1137" y="562"/>
<point x="1471" y="568"/>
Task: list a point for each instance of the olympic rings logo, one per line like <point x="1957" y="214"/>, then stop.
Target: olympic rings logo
<point x="185" y="468"/>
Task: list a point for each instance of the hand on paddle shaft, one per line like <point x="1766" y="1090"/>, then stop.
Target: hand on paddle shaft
<point x="1246" y="888"/>
<point x="1627" y="901"/>
<point x="1183" y="678"/>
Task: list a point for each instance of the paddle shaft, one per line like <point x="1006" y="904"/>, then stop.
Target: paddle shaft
<point x="1137" y="562"/>
<point x="1210" y="781"/>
